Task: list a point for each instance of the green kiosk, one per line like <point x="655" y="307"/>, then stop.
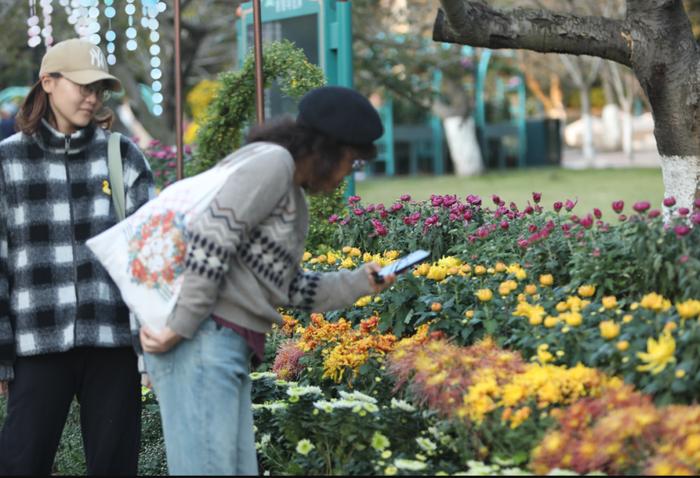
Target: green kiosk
<point x="322" y="28"/>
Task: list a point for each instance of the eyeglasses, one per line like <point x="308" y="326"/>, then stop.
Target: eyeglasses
<point x="358" y="164"/>
<point x="98" y="88"/>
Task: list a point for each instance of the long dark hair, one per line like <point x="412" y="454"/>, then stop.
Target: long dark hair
<point x="36" y="107"/>
<point x="304" y="142"/>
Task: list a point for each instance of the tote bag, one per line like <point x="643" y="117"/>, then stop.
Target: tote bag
<point x="145" y="253"/>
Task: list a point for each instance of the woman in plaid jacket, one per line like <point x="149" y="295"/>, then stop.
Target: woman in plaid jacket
<point x="64" y="330"/>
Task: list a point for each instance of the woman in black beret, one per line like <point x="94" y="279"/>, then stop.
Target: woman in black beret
<point x="243" y="263"/>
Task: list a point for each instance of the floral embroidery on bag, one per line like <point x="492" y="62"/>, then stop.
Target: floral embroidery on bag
<point x="157" y="251"/>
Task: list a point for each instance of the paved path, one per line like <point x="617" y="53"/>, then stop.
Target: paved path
<point x="573" y="159"/>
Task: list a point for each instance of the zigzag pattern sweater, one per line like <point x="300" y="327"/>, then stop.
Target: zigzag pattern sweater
<point x="244" y="252"/>
<point x="54" y="294"/>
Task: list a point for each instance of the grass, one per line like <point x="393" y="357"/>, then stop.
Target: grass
<point x="592" y="187"/>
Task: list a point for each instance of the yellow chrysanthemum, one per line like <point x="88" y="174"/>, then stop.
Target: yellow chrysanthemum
<point x="609" y="329"/>
<point x="658" y="355"/>
<point x="546" y="280"/>
<point x="655" y="302"/>
<point x="609" y="302"/>
<point x="586" y="290"/>
<point x="484" y="295"/>
<point x="688" y="309"/>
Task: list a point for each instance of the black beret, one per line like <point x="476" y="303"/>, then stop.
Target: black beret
<point x="342" y="114"/>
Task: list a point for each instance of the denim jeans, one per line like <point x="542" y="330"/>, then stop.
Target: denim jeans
<point x="203" y="388"/>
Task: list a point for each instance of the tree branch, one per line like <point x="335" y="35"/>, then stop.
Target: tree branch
<point x="473" y="23"/>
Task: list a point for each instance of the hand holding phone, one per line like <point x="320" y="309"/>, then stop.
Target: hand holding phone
<point x="401" y="265"/>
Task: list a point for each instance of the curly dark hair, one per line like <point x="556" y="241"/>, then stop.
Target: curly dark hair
<point x="302" y="141"/>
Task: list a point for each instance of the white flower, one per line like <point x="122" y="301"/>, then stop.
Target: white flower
<point x="412" y="465"/>
<point x="260" y="375"/>
<point x="426" y="444"/>
<point x="324" y="405"/>
<point x="272" y="406"/>
<point x="301" y="391"/>
<point x="304" y="447"/>
<point x="357" y="396"/>
<point x="403" y="405"/>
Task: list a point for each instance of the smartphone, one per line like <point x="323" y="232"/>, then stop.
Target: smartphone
<point x="399" y="266"/>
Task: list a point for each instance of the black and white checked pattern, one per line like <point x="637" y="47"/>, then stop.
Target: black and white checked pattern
<point x="54" y="295"/>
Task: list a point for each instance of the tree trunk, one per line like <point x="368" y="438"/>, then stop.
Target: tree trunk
<point x="627" y="130"/>
<point x="587" y="120"/>
<point x="655" y="39"/>
<point x="464" y="147"/>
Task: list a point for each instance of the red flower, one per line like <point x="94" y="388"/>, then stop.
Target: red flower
<point x="641" y="206"/>
<point x="618" y="206"/>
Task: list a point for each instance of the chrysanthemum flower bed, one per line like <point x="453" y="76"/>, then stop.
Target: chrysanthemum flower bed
<point x="520" y="316"/>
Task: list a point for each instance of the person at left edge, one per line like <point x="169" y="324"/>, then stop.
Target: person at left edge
<point x="64" y="329"/>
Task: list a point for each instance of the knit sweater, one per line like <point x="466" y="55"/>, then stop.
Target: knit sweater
<point x="54" y="195"/>
<point x="244" y="251"/>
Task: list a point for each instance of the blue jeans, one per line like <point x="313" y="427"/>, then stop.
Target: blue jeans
<point x="203" y="388"/>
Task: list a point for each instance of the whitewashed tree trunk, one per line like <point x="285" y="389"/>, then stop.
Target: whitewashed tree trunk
<point x="464" y="147"/>
<point x="588" y="149"/>
<point x="627" y="132"/>
<point x="681" y="176"/>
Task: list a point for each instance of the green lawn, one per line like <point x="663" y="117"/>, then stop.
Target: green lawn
<point x="593" y="187"/>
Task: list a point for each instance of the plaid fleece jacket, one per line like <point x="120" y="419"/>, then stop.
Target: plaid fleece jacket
<point x="54" y="195"/>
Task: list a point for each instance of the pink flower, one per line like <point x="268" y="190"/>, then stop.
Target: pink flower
<point x="370" y="208"/>
<point x="683" y="211"/>
<point x="505" y="225"/>
<point x="669" y="201"/>
<point x="532" y="228"/>
<point x="333" y="218"/>
<point x="405" y="197"/>
<point x="537" y="197"/>
<point x="286" y="365"/>
<point x="496" y="200"/>
<point x="396" y="207"/>
<point x="641" y="206"/>
<point x="528" y="210"/>
<point x="467" y="215"/>
<point x="622" y="218"/>
<point x="566" y="227"/>
<point x="618" y="206"/>
<point x="557" y="206"/>
<point x="681" y="230"/>
<point x="474" y="200"/>
<point x="569" y="205"/>
<point x="596" y="252"/>
<point x="597" y="213"/>
<point x="683" y="259"/>
<point x="695" y="218"/>
<point x="412" y="219"/>
<point x="523" y="243"/>
<point x="448" y="200"/>
<point x="697" y="203"/>
<point x="358" y="211"/>
<point x="436" y="200"/>
<point x="383" y="214"/>
<point x="354" y="199"/>
<point x="587" y="221"/>
<point x="379" y="228"/>
<point x="654" y="213"/>
<point x="432" y="220"/>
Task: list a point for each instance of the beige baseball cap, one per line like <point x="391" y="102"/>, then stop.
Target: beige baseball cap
<point x="80" y="61"/>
